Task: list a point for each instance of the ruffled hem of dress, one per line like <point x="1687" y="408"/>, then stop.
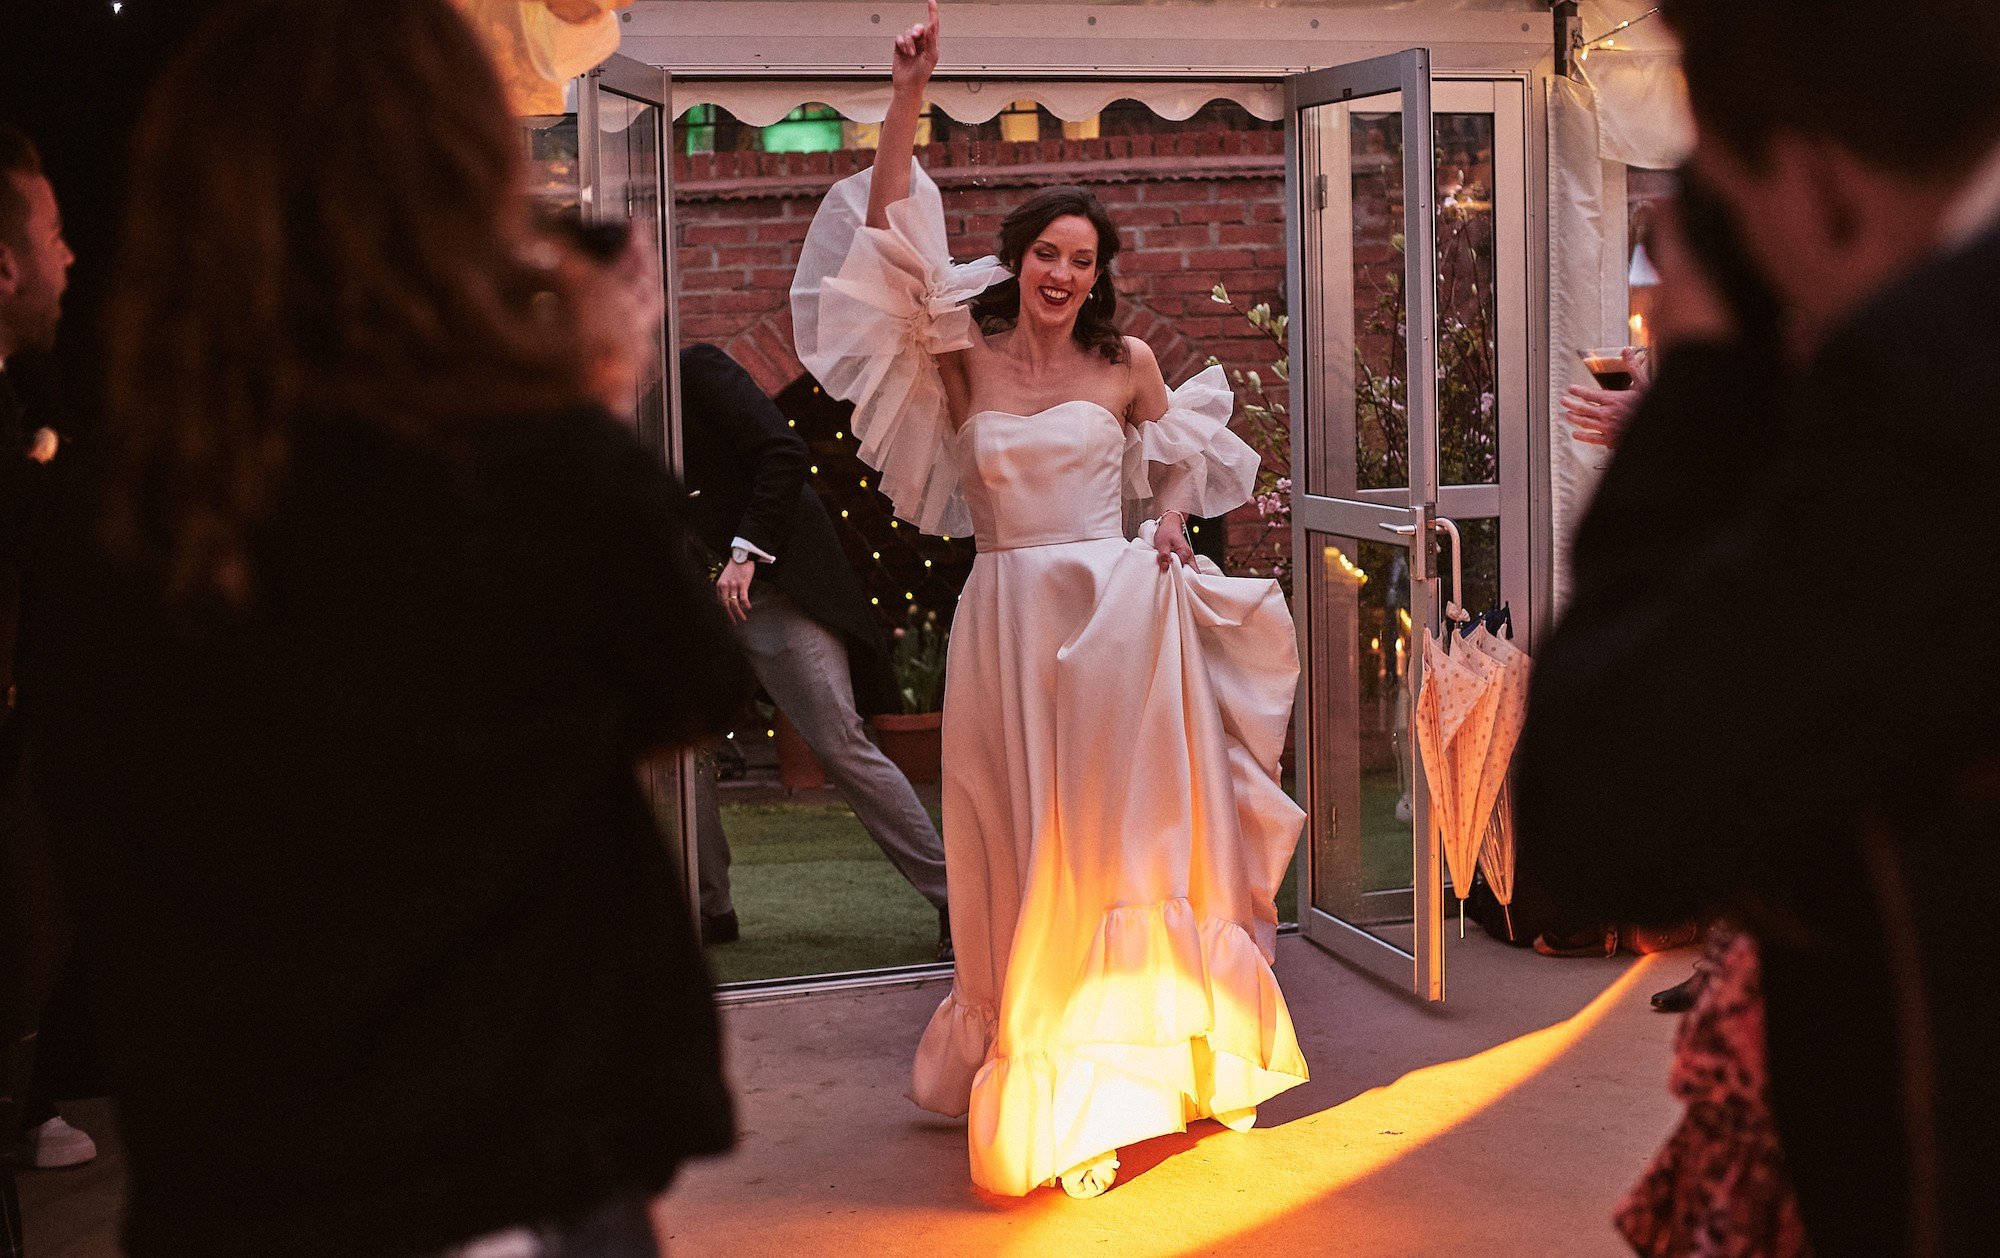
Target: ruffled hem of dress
<point x="1176" y="1017"/>
<point x="956" y="1042"/>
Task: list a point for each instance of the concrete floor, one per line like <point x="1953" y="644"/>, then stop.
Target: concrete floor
<point x="1507" y="1121"/>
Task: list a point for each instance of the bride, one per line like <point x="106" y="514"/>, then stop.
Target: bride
<point x="1114" y="709"/>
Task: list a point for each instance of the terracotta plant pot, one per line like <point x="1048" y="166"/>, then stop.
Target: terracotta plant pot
<point x="915" y="741"/>
<point x="798" y="768"/>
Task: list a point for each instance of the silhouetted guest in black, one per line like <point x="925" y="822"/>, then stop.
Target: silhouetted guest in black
<point x="35" y="960"/>
<point x="374" y="620"/>
<point x="1738" y="711"/>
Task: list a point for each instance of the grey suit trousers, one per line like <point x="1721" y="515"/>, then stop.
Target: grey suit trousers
<point x="802" y="665"/>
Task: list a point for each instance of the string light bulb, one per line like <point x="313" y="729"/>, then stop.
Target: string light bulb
<point x="1605" y="40"/>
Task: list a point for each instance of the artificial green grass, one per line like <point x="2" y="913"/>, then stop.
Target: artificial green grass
<point x="815" y="896"/>
<point x="1385" y="842"/>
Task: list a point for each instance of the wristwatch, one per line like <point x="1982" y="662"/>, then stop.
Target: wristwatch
<point x="738" y="555"/>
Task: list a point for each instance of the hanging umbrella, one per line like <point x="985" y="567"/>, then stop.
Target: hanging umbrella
<point x="1471" y="778"/>
<point x="1495" y="814"/>
<point x="1429" y="723"/>
<point x="1454" y="720"/>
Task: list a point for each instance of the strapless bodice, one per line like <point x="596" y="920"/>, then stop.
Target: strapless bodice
<point x="1041" y="479"/>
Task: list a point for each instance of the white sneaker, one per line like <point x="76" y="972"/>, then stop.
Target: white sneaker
<point x="56" y="1144"/>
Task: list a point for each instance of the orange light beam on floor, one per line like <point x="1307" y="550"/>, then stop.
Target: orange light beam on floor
<point x="1285" y="1169"/>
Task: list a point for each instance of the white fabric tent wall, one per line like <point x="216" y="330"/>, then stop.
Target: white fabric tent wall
<point x="1626" y="108"/>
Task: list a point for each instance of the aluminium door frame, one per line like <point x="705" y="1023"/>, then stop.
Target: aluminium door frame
<point x="1407" y="76"/>
<point x="649" y="85"/>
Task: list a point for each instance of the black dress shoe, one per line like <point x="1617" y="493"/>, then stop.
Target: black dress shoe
<point x="1681" y="996"/>
<point x="720" y="929"/>
<point x="945" y="952"/>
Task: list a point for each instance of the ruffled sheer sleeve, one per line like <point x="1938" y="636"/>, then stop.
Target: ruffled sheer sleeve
<point x="1187" y="459"/>
<point x="871" y="306"/>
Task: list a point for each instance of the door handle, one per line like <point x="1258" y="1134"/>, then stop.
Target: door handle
<point x="1453" y="610"/>
<point x="1420" y="554"/>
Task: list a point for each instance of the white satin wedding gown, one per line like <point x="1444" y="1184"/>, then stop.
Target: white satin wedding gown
<point x="1114" y="830"/>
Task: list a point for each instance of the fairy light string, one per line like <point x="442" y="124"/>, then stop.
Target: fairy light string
<point x="1582" y="47"/>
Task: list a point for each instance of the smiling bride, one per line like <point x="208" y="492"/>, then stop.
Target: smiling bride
<point x="1114" y="710"/>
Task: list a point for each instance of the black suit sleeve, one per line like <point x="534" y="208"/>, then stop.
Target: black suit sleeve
<point x="673" y="656"/>
<point x="18" y="477"/>
<point x="20" y="489"/>
<point x="757" y="437"/>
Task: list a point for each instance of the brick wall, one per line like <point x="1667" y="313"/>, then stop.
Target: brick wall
<point x="1195" y="209"/>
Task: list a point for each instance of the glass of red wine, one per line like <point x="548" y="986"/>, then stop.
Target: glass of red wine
<point x="1608" y="366"/>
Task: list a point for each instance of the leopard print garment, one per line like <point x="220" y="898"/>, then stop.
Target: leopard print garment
<point x="1718" y="1188"/>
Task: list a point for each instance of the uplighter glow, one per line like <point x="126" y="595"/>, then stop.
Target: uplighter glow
<point x="1294" y="1167"/>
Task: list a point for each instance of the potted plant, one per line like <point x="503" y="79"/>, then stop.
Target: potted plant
<point x="798" y="768"/>
<point x="914" y="737"/>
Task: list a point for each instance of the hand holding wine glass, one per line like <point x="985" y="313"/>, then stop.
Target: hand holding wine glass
<point x="1599" y="414"/>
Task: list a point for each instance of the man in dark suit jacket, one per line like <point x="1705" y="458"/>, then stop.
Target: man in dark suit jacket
<point x="34" y="266"/>
<point x="800" y="616"/>
<point x="1755" y="720"/>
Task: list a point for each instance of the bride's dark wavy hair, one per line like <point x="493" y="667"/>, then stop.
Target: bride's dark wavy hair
<point x="999" y="307"/>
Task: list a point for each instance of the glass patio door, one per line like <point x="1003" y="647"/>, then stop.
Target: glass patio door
<point x="1364" y="504"/>
<point x="1409" y="424"/>
<point x="606" y="159"/>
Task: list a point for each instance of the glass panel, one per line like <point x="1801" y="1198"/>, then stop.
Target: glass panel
<point x="1361" y="322"/>
<point x="1481" y="564"/>
<point x="1362" y="767"/>
<point x="1381" y="436"/>
<point x="629" y="175"/>
<point x="1468" y="344"/>
<point x="1351" y="162"/>
<point x="555" y="176"/>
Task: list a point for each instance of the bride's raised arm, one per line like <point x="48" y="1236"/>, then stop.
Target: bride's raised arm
<point x="909" y="74"/>
<point x="877" y="302"/>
